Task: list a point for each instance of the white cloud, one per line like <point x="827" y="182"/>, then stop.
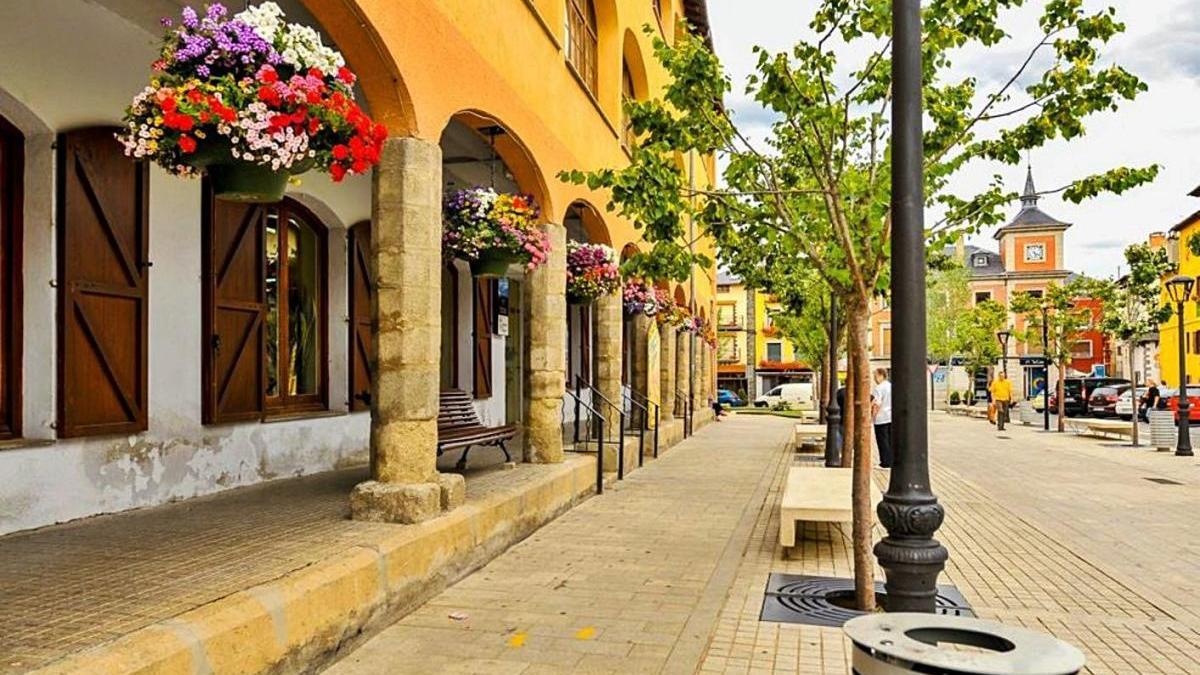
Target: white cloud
<point x="1161" y="45"/>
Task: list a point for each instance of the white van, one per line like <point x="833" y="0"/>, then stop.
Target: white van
<point x="798" y="394"/>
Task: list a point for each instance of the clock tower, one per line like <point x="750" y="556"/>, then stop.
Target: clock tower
<point x="1032" y="243"/>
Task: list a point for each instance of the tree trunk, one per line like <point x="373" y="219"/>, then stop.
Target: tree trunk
<point x="864" y="510"/>
<point x="1133" y="394"/>
<point x="824" y="392"/>
<point x="1062" y="403"/>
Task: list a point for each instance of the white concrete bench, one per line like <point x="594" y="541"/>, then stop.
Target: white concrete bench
<point x="808" y="433"/>
<point x="817" y="494"/>
<point x="1101" y="428"/>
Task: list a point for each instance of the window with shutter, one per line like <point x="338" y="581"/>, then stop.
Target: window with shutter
<point x="12" y="158"/>
<point x="265" y="310"/>
<point x="103" y="286"/>
<point x="362" y="354"/>
<point x="483" y="338"/>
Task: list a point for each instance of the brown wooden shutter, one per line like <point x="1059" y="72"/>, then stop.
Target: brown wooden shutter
<point x="483" y="338"/>
<point x="362" y="292"/>
<point x="103" y="286"/>
<point x="234" y="310"/>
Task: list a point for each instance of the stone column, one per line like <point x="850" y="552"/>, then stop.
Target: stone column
<point x="699" y="401"/>
<point x="405" y="486"/>
<point x="546" y="359"/>
<point x="608" y="352"/>
<point x="641" y="365"/>
<point x="682" y="352"/>
<point x="666" y="389"/>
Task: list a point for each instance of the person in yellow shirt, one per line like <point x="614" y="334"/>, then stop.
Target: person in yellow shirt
<point x="1001" y="391"/>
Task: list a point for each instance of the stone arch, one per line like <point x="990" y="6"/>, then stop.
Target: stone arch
<point x="632" y="60"/>
<point x="513" y="153"/>
<point x="584" y="223"/>
<point x="680" y="296"/>
<point x="628" y="251"/>
<point x="369" y="57"/>
<point x="608" y="56"/>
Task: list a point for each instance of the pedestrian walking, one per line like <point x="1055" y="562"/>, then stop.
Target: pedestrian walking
<point x="1001" y="391"/>
<point x="881" y="413"/>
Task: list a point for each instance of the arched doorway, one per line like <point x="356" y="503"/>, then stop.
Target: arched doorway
<point x="12" y="174"/>
<point x="483" y="334"/>
<point x="584" y="225"/>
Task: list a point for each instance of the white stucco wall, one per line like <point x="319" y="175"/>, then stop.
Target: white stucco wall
<point x="71" y="63"/>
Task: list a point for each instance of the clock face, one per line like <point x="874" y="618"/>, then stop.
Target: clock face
<point x="1035" y="253"/>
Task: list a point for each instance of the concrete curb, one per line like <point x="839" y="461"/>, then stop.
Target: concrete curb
<point x="300" y="621"/>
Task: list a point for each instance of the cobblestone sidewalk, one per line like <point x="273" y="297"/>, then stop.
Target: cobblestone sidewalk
<point x="630" y="582"/>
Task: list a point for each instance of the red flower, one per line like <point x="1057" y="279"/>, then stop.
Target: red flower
<point x="313" y="72"/>
<point x="313" y="97"/>
<point x="268" y="95"/>
<point x="340" y="152"/>
<point x="267" y="74"/>
<point x="205" y="116"/>
<point x="169" y="105"/>
<point x="359" y="166"/>
<point x="195" y="96"/>
<point x="178" y="121"/>
<point x="337" y="172"/>
<point x="314" y="125"/>
<point x="345" y="75"/>
<point x="187" y="144"/>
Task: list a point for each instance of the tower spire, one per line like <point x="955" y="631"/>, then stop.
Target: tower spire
<point x="1029" y="198"/>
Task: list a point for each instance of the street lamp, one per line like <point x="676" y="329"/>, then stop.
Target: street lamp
<point x="1179" y="289"/>
<point x="833" y="412"/>
<point x="1003" y="336"/>
<point x="1045" y="367"/>
<point x="909" y="555"/>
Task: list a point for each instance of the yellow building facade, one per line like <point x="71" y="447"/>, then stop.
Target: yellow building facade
<point x="753" y="356"/>
<point x="500" y="93"/>
<point x="1168" y="337"/>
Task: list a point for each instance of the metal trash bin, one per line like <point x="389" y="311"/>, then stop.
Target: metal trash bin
<point x="890" y="644"/>
<point x="1028" y="415"/>
<point x="1163" y="431"/>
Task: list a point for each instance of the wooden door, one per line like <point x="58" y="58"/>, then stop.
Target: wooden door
<point x="234" y="310"/>
<point x="103" y="286"/>
<point x="12" y="159"/>
<point x="483" y="338"/>
<point x="362" y="322"/>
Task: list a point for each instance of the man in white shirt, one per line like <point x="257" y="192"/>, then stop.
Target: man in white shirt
<point x="881" y="411"/>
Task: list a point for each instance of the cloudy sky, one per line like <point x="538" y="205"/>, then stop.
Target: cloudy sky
<point x="1161" y="45"/>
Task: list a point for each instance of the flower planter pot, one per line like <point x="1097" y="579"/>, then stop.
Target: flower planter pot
<point x="493" y="264"/>
<point x="245" y="182"/>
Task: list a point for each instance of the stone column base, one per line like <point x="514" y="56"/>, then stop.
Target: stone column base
<point x="396" y="502"/>
<point x="454" y="490"/>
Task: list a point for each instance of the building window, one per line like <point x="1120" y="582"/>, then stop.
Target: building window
<point x="728" y="349"/>
<point x="658" y="10"/>
<point x="981" y="261"/>
<point x="265" y="310"/>
<point x="726" y="315"/>
<point x="1035" y="253"/>
<point x="12" y="156"/>
<point x="775" y="352"/>
<point x="982" y="296"/>
<point x="1037" y="293"/>
<point x="582" y="41"/>
<point x="1081" y="349"/>
<point x="628" y="138"/>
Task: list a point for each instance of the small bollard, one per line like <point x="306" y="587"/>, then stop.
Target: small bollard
<point x="891" y="644"/>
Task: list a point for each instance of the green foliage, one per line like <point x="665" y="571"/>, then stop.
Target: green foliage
<point x="804" y="319"/>
<point x="1067" y="317"/>
<point x="955" y="399"/>
<point x="947" y="293"/>
<point x="975" y="334"/>
<point x="1133" y="304"/>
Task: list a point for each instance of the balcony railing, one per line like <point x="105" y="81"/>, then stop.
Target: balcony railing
<point x="729" y="320"/>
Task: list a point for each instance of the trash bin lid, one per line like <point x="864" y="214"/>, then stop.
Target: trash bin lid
<point x="911" y="639"/>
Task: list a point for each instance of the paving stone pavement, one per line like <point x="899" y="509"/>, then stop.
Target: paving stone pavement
<point x="629" y="582"/>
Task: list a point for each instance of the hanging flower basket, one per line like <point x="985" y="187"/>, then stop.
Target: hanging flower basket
<point x="639" y="298"/>
<point x="492" y="231"/>
<point x="592" y="271"/>
<point x="250" y="100"/>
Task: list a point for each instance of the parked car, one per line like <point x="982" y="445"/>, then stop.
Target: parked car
<point x="798" y="394"/>
<point x="727" y="397"/>
<point x="1171" y="397"/>
<point x="1125" y="406"/>
<point x="1103" y="401"/>
<point x="1077" y="391"/>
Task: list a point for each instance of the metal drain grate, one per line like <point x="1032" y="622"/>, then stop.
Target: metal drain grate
<point x="1164" y="481"/>
<point x="810" y="600"/>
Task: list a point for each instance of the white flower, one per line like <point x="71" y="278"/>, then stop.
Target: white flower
<point x="266" y="19"/>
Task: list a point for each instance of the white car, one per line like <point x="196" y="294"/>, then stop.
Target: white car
<point x="1125" y="407"/>
<point x="798" y="394"/>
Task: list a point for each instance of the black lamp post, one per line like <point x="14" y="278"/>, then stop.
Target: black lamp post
<point x="909" y="555"/>
<point x="1045" y="368"/>
<point x="1003" y="336"/>
<point x="1179" y="288"/>
<point x="833" y="412"/>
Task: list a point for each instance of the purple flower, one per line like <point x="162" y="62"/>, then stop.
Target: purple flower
<point x="190" y="20"/>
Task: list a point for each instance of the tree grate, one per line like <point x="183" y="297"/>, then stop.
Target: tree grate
<point x="815" y="601"/>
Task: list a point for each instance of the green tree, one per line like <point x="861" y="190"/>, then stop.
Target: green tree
<point x="816" y="193"/>
<point x="1133" y="306"/>
<point x="975" y="335"/>
<point x="947" y="292"/>
<point x="1068" y="316"/>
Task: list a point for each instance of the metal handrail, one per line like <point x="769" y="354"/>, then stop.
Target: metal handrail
<point x="579" y="403"/>
<point x="582" y="384"/>
<point x="645" y="406"/>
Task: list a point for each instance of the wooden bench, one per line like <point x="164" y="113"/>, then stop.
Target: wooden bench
<point x="817" y="494"/>
<point x="459" y="428"/>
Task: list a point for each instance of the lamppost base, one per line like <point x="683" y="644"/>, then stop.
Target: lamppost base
<point x="911" y="568"/>
<point x="1184" y="452"/>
